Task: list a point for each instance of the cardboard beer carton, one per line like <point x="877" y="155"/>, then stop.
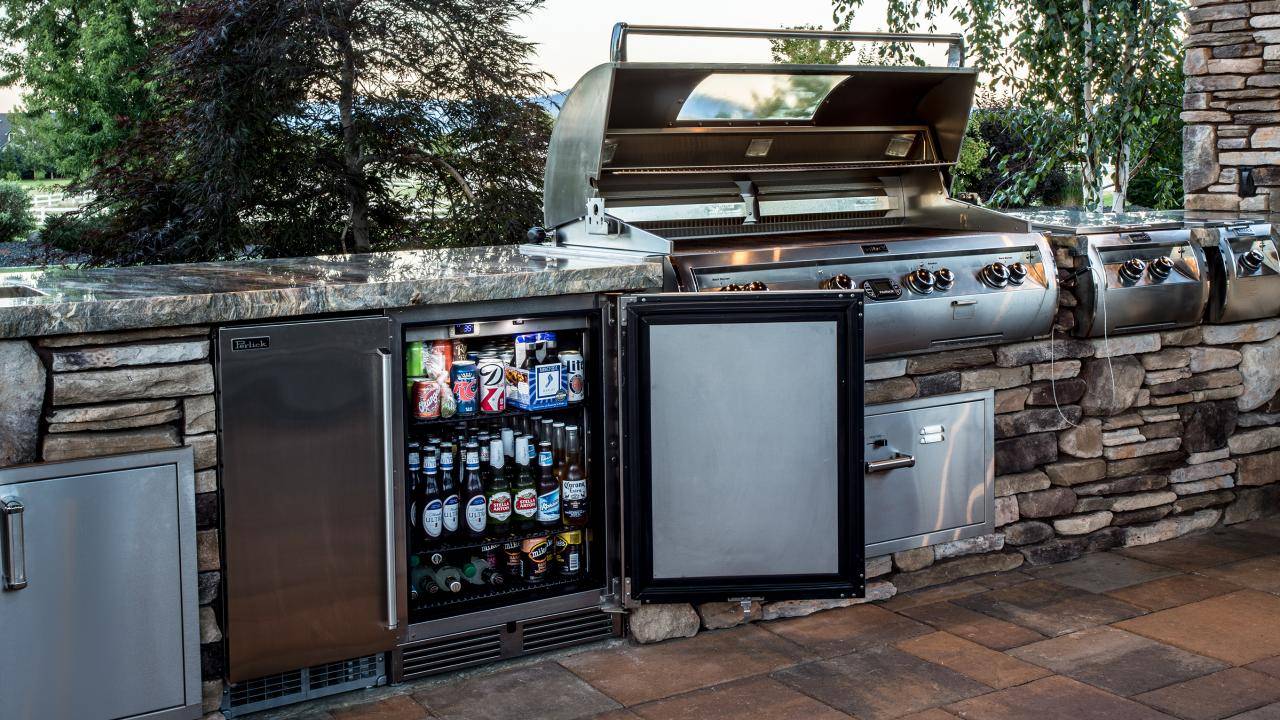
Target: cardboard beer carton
<point x="532" y="385"/>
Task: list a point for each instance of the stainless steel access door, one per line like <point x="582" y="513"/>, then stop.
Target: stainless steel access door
<point x="309" y="499"/>
<point x="929" y="471"/>
<point x="105" y="626"/>
<point x="742" y="422"/>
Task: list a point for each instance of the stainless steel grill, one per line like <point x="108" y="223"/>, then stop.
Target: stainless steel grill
<point x="797" y="177"/>
<point x="1244" y="273"/>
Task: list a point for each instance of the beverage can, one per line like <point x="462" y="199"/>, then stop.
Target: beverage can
<point x="437" y="360"/>
<point x="493" y="384"/>
<point x="575" y="377"/>
<point x="413" y="359"/>
<point x="512" y="557"/>
<point x="459" y="350"/>
<point x="536" y="556"/>
<point x="465" y="386"/>
<point x="426" y="399"/>
<point x="569" y="553"/>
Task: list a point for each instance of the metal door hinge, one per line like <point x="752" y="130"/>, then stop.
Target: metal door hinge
<point x="598" y="220"/>
<point x="745" y="604"/>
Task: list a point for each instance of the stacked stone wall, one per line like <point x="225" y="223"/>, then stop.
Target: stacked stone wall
<point x="1232" y="105"/>
<point x="82" y="396"/>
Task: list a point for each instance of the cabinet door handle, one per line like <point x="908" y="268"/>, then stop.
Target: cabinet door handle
<point x="389" y="490"/>
<point x="898" y="460"/>
<point x="14" y="552"/>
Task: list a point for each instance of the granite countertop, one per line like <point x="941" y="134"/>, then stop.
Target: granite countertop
<point x="1088" y="222"/>
<point x="92" y="300"/>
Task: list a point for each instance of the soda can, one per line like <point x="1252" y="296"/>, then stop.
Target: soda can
<point x="413" y="359"/>
<point x="575" y="379"/>
<point x="536" y="556"/>
<point x="437" y="360"/>
<point x="465" y="386"/>
<point x="426" y="400"/>
<point x="493" y="384"/>
<point x="569" y="553"/>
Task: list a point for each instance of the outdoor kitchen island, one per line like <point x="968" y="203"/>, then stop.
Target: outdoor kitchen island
<point x="116" y="361"/>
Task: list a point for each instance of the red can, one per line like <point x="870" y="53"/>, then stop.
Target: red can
<point x="426" y="400"/>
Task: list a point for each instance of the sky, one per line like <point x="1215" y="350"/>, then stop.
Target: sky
<point x="573" y="35"/>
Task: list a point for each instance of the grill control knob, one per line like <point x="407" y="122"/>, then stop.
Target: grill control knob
<point x="944" y="279"/>
<point x="1017" y="273"/>
<point x="1251" y="261"/>
<point x="837" y="282"/>
<point x="921" y="281"/>
<point x="996" y="275"/>
<point x="1160" y="268"/>
<point x="1131" y="270"/>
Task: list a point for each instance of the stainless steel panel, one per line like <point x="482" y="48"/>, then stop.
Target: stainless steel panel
<point x="309" y="569"/>
<point x="1112" y="305"/>
<point x="753" y="492"/>
<point x="107" y="625"/>
<point x="945" y="491"/>
<point x="1239" y="291"/>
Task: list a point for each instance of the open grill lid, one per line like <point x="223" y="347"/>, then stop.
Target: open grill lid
<point x="696" y="150"/>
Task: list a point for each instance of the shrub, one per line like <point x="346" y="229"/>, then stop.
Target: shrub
<point x="16" y="220"/>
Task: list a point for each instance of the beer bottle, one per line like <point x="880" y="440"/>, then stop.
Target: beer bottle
<point x="545" y="433"/>
<point x="525" y="489"/>
<point x="448" y="493"/>
<point x="448" y="578"/>
<point x="557" y="456"/>
<point x="432" y="505"/>
<point x="414" y="465"/>
<point x="499" y="491"/>
<point x="509" y="443"/>
<point x="477" y="510"/>
<point x="548" y="489"/>
<point x="573" y="486"/>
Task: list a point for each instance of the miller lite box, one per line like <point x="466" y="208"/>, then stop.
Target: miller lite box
<point x="533" y="384"/>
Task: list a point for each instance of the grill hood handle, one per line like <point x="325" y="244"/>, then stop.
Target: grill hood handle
<point x="618" y="43"/>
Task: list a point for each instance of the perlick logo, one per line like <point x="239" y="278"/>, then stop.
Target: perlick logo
<point x="253" y="343"/>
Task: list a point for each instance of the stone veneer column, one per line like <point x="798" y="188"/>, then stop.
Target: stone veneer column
<point x="1232" y="104"/>
<point x="124" y="392"/>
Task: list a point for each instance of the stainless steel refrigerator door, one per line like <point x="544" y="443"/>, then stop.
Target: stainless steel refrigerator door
<point x="929" y="471"/>
<point x="308" y="483"/>
<point x="742" y="416"/>
<point x="106" y="625"/>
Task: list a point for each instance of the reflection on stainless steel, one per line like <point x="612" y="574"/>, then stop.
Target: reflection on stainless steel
<point x="845" y="192"/>
<point x="929" y="471"/>
<point x="1244" y="274"/>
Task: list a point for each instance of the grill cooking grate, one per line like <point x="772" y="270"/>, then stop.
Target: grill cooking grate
<point x="306" y="684"/>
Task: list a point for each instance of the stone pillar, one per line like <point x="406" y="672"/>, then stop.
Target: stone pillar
<point x="1232" y="105"/>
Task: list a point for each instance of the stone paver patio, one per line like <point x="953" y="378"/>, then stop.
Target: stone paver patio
<point x="1183" y="629"/>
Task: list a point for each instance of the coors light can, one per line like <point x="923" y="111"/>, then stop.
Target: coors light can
<point x="493" y="384"/>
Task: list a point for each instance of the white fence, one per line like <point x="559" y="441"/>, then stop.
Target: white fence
<point x="45" y="203"/>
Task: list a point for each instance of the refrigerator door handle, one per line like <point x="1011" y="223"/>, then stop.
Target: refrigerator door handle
<point x="389" y="484"/>
<point x="14" y="554"/>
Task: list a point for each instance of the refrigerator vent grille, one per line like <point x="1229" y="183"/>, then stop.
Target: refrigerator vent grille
<point x="306" y="684"/>
<point x="565" y="630"/>
<point x="452" y="653"/>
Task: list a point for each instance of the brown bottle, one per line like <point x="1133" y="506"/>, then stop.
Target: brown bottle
<point x="573" y="482"/>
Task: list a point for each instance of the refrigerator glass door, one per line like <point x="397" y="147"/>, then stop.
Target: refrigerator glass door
<point x="743" y="423"/>
<point x="308" y="494"/>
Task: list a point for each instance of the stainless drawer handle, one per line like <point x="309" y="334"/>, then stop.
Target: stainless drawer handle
<point x="15" y="560"/>
<point x="963" y="303"/>
<point x="898" y="460"/>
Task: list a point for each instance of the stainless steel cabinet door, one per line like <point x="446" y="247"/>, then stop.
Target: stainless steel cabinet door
<point x="742" y="421"/>
<point x="105" y="627"/>
<point x="929" y="471"/>
<point x="308" y="494"/>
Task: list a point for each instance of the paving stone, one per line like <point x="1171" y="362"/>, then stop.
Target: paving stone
<point x="399" y="707"/>
<point x="1021" y="454"/>
<point x="1172" y="591"/>
<point x="1036" y="420"/>
<point x="884" y="369"/>
<point x="883" y="391"/>
<point x="1006" y="510"/>
<point x="1255" y="470"/>
<point x="1199" y="458"/>
<point x="1092" y="504"/>
<point x="1125" y="436"/>
<point x="67" y="446"/>
<point x="1001" y="378"/>
<point x="1166" y="359"/>
<point x="92" y="358"/>
<point x="1188" y="503"/>
<point x="1059" y="393"/>
<point x="1011" y="400"/>
<point x="914" y="559"/>
<point x="1042" y="351"/>
<point x="133" y="383"/>
<point x="638" y="673"/>
<point x="1117" y="661"/>
<point x="991" y="668"/>
<point x="1126" y="345"/>
<point x="108" y="411"/>
<point x="1203" y="359"/>
<point x="1082" y="441"/>
<point x="955" y="569"/>
<point x="198" y="415"/>
<point x="657" y="622"/>
<point x="1053" y="698"/>
<point x="1057" y="370"/>
<point x="1262" y="573"/>
<point x="1257" y="419"/>
<point x="1182" y="338"/>
<point x="1211" y="549"/>
<point x="1143" y="449"/>
<point x="758" y="698"/>
<point x="1046" y="503"/>
<point x="1138" y="517"/>
<point x="875" y="591"/>
<point x="1237" y="628"/>
<point x="1139" y="501"/>
<point x="1027" y="532"/>
<point x="979" y="544"/>
<point x="1101" y="572"/>
<point x="1208" y="425"/>
<point x="137" y="421"/>
<point x="1246" y="332"/>
<point x="1252" y="503"/>
<point x="1159" y="377"/>
<point x="1171" y="428"/>
<point x="974" y="626"/>
<point x="545" y="690"/>
<point x="950" y="360"/>
<point x="880" y="683"/>
<point x="1203" y="486"/>
<point x="1202" y="471"/>
<point x="1260" y="367"/>
<point x="1268" y="712"/>
<point x="1270" y="666"/>
<point x="1145" y="464"/>
<point x="845" y="630"/>
<point x="1135" y="483"/>
<point x="1020" y="483"/>
<point x="937" y="594"/>
<point x="1049" y="608"/>
<point x="1215" y="696"/>
<point x="1102" y="396"/>
<point x="22" y="386"/>
<point x="1082" y="524"/>
<point x="938" y="384"/>
<point x="1076" y="472"/>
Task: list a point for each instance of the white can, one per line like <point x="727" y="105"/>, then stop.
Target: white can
<point x="575" y="379"/>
